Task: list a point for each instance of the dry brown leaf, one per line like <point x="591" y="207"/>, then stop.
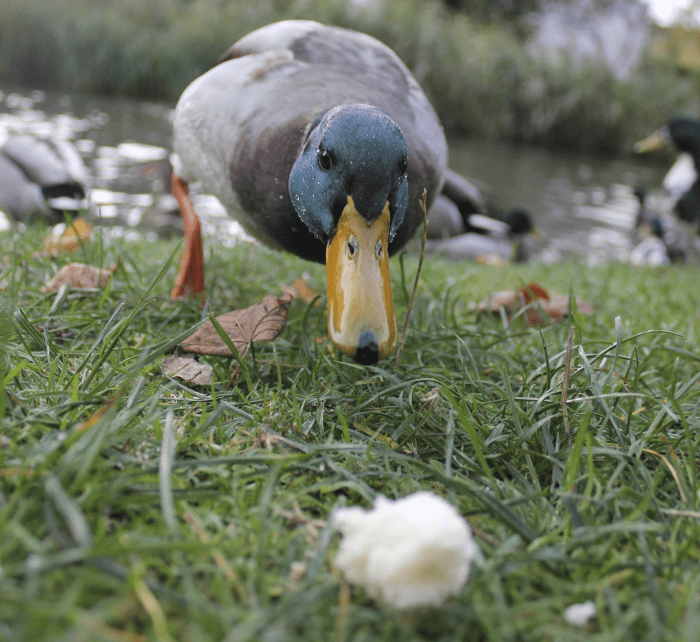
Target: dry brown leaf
<point x="385" y="439"/>
<point x="550" y="305"/>
<point x="305" y="292"/>
<point x="189" y="370"/>
<point x="494" y="260"/>
<point x="79" y="275"/>
<point x="263" y="321"/>
<point x="100" y="412"/>
<point x="75" y="234"/>
<point x="302" y="290"/>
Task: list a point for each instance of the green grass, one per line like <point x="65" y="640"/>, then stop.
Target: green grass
<point x="109" y="531"/>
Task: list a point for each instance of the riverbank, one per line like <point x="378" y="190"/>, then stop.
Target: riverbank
<point x="576" y="467"/>
<point x="479" y="76"/>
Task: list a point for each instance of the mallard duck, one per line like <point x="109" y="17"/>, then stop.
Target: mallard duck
<point x="320" y="142"/>
<point x="489" y="239"/>
<point x="458" y="201"/>
<point x="463" y="224"/>
<point x="651" y="250"/>
<point x="40" y="177"/>
<point x="681" y="182"/>
<point x="660" y="240"/>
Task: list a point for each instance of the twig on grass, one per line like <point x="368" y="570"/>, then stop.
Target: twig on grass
<point x="565" y="386"/>
<point x="423" y="201"/>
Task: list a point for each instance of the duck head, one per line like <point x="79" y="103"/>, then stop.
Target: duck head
<point x="349" y="187"/>
<point x="681" y="131"/>
<point x="519" y="222"/>
<point x="685" y="133"/>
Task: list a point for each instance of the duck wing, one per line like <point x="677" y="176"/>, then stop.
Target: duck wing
<point x="240" y="126"/>
<point x="43" y="165"/>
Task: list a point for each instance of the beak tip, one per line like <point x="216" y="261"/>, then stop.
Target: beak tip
<point x="367" y="349"/>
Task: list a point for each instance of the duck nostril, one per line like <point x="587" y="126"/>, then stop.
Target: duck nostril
<point x="367" y="349"/>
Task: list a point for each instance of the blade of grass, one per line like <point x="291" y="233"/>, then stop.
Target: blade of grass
<point x="165" y="466"/>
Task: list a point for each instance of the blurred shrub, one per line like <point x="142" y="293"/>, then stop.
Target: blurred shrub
<point x="477" y="73"/>
<point x="495" y="10"/>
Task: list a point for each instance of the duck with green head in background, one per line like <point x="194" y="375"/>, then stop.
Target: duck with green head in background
<point x="682" y="181"/>
<point x="465" y="224"/>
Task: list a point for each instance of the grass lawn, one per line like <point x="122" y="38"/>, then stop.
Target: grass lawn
<point x="579" y="475"/>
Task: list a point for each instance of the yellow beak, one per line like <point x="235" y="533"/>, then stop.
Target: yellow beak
<point x="361" y="319"/>
<point x="654" y="141"/>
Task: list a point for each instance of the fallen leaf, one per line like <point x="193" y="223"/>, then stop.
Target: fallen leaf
<point x="263" y="321"/>
<point x="385" y="439"/>
<point x="302" y="290"/>
<point x="533" y="291"/>
<point x="494" y="260"/>
<point x="99" y="413"/>
<point x="189" y="370"/>
<point x="81" y="276"/>
<point x="550" y="305"/>
<point x="67" y="238"/>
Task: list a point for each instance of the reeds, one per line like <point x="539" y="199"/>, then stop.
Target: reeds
<point x="480" y="77"/>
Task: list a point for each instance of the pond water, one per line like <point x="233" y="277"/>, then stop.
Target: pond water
<point x="582" y="205"/>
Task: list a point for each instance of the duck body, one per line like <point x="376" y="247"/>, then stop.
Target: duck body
<point x="240" y="127"/>
<point x="40" y="177"/>
<point x="319" y="142"/>
<point x="660" y="239"/>
<point x="474" y="246"/>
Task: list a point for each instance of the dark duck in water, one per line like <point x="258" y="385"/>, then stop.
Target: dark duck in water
<point x="465" y="224"/>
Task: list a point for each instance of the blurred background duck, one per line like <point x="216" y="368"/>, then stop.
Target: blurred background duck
<point x="41" y="178"/>
<point x="658" y="236"/>
<point x="681" y="183"/>
<point x="652" y="248"/>
<point x="464" y="224"/>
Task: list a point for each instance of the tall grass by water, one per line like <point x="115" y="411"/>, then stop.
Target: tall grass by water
<point x="571" y="449"/>
<point x="479" y="76"/>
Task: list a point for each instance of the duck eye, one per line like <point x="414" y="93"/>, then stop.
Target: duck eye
<point x="324" y="160"/>
<point x="403" y="166"/>
<point x="353" y="246"/>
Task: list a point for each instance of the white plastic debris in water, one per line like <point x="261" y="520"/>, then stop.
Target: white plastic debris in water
<point x="579" y="614"/>
<point x="414" y="551"/>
